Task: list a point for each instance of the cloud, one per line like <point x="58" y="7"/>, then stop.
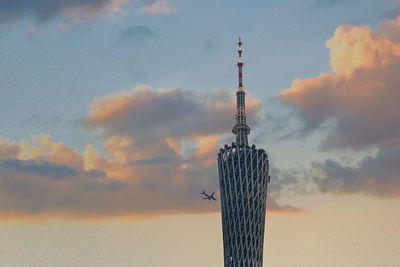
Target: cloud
<point x="63" y="27"/>
<point x="157" y="8"/>
<point x="43" y="10"/>
<point x="391" y="11"/>
<point x="136" y="33"/>
<point x="8" y="150"/>
<point x="31" y="31"/>
<point x="361" y="94"/>
<point x="390" y="14"/>
<point x="158" y="152"/>
<point x="176" y="113"/>
<point x="360" y="99"/>
<point x="46" y="178"/>
<point x="284" y="182"/>
<point x="43" y="168"/>
<point x="391" y="28"/>
<point x="72" y="11"/>
<point x="377" y="176"/>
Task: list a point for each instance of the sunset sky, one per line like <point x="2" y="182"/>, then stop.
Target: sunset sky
<point x="112" y="113"/>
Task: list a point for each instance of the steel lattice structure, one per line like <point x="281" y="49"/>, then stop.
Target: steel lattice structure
<point x="243" y="177"/>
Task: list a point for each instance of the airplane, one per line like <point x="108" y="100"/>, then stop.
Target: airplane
<point x="207" y="196"/>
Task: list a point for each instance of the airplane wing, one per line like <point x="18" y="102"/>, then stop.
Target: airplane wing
<point x="204" y="198"/>
<point x="212" y="195"/>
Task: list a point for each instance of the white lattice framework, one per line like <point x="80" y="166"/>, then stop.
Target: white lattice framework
<point x="243" y="173"/>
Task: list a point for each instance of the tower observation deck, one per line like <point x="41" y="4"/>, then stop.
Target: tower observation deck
<point x="243" y="178"/>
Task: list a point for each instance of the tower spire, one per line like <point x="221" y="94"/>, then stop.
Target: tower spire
<point x="240" y="65"/>
<point x="241" y="130"/>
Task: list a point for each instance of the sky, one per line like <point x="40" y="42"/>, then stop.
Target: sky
<point x="112" y="113"/>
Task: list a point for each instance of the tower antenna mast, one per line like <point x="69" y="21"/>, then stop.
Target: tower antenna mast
<point x="241" y="129"/>
<point x="240" y="65"/>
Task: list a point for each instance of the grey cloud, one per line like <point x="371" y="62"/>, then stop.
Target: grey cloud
<point x="45" y="10"/>
<point x="45" y="168"/>
<point x="30" y="188"/>
<point x="174" y="113"/>
<point x="97" y="173"/>
<point x="277" y="125"/>
<point x="287" y="178"/>
<point x="377" y="176"/>
<point x="43" y="119"/>
<point x="285" y="182"/>
<point x="390" y="14"/>
<point x="103" y="185"/>
<point x="150" y="161"/>
<point x="42" y="10"/>
<point x="136" y="33"/>
<point x="274" y="206"/>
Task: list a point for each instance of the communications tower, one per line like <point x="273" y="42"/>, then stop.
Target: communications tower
<point x="243" y="178"/>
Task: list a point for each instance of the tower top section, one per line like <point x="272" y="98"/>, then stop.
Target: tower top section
<point x="241" y="130"/>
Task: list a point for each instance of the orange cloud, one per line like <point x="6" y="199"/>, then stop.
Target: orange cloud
<point x="8" y="149"/>
<point x="42" y="147"/>
<point x="159" y="151"/>
<point x="85" y="11"/>
<point x="157" y="8"/>
<point x="391" y="28"/>
<point x="46" y="178"/>
<point x="116" y="146"/>
<point x="207" y="144"/>
<point x="360" y="95"/>
<point x="174" y="144"/>
<point x="354" y="47"/>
